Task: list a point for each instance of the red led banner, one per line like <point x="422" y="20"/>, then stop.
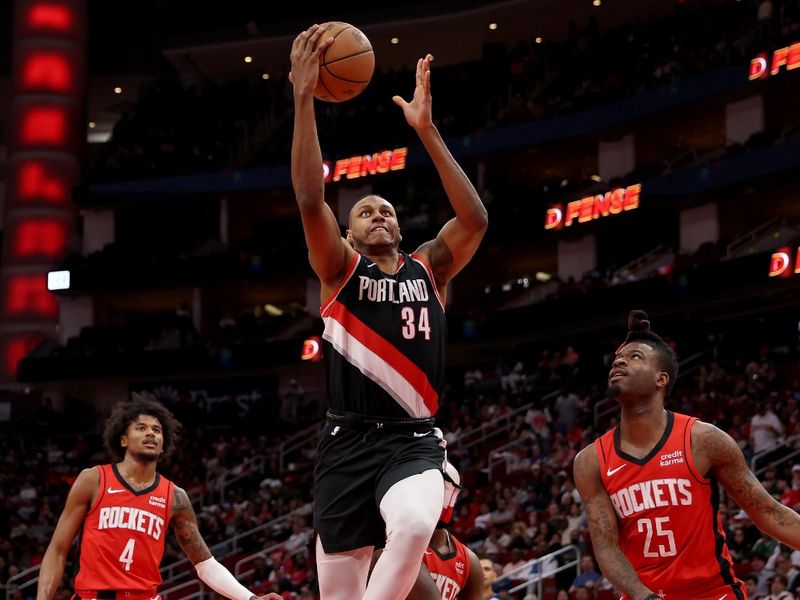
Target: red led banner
<point x="762" y="66"/>
<point x="780" y="263"/>
<point x="39" y="237"/>
<point x="363" y="165"/>
<point x="47" y="127"/>
<point x="42" y="70"/>
<point x="591" y="208"/>
<point x="42" y="181"/>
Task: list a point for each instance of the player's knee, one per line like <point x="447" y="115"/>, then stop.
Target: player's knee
<point x="414" y="529"/>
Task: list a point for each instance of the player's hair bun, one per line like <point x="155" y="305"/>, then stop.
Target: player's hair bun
<point x="638" y="321"/>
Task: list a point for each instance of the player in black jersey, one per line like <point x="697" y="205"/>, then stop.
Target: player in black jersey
<point x="378" y="476"/>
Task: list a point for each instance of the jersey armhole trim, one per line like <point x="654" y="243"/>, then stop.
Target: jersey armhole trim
<point x="351" y="268"/>
<point x="687" y="451"/>
<point x="100" y="491"/>
<point x="430" y="276"/>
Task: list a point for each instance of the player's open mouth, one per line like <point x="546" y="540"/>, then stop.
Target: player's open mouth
<point x="379" y="228"/>
<point x="616" y="374"/>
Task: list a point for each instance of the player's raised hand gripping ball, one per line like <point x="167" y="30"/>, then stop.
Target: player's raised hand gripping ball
<point x="346" y="65"/>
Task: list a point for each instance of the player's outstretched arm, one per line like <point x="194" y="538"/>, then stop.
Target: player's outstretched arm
<point x="726" y="463"/>
<point x="603" y="526"/>
<point x="327" y="251"/>
<point x="458" y="240"/>
<point x="473" y="590"/>
<point x="212" y="573"/>
<point x="70" y="521"/>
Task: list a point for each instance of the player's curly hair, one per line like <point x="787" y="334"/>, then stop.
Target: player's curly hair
<point x="639" y="331"/>
<point x="124" y="413"/>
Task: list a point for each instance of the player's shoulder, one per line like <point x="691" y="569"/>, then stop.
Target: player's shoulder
<point x="89" y="475"/>
<point x="586" y="468"/>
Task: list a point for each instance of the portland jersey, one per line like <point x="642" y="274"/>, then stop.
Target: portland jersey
<point x="669" y="524"/>
<point x="384" y="340"/>
<point x="450" y="572"/>
<point x="123" y="535"/>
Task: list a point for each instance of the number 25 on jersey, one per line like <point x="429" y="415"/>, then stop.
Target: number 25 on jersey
<point x="657" y="526"/>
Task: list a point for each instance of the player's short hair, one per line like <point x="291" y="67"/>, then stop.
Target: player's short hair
<point x="639" y="331"/>
<point x="124" y="413"/>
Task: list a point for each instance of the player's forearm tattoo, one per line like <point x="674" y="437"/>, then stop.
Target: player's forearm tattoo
<point x="184" y="523"/>
<point x="615" y="566"/>
<point x="734" y="474"/>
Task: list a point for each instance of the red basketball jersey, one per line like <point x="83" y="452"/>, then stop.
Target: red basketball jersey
<point x="123" y="535"/>
<point x="449" y="571"/>
<point x="669" y="524"/>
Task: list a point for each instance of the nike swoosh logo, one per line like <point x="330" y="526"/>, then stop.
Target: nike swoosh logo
<point x="113" y="491"/>
<point x="370" y="265"/>
<point x="610" y="472"/>
<point x="422" y="434"/>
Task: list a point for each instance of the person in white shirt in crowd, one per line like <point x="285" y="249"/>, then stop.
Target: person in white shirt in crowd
<point x="766" y="428"/>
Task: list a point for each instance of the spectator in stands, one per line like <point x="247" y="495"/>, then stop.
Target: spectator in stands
<point x="751" y="587"/>
<point x="489" y="576"/>
<point x="758" y="566"/>
<point x="777" y="588"/>
<point x="589" y="575"/>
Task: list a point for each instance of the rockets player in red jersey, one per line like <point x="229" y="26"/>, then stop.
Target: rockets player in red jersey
<point x="378" y="468"/>
<point x="123" y="510"/>
<point x="651" y="486"/>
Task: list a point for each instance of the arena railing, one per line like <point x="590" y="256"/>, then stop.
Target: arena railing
<point x="181" y="569"/>
<point x="793" y="441"/>
<point x="247" y="561"/>
<point x="532" y="573"/>
<point x="497" y="426"/>
<point x="254" y="464"/>
<point x="21" y="581"/>
<point x="499" y="455"/>
<point x="305" y="438"/>
<point x="174" y="593"/>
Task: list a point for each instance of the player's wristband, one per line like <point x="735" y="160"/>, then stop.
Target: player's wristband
<point x="219" y="579"/>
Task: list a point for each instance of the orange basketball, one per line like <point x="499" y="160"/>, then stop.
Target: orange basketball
<point x="346" y="66"/>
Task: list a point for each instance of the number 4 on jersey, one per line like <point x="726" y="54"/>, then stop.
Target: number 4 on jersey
<point x="410" y="328"/>
<point x="126" y="558"/>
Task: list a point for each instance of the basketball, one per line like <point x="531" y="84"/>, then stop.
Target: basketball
<point x="346" y="66"/>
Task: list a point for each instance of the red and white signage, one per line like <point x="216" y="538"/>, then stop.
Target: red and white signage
<point x="591" y="208"/>
<point x="762" y="66"/>
<point x="780" y="264"/>
<point x="366" y="164"/>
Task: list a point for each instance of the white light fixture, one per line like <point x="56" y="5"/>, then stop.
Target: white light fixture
<point x="117" y="90"/>
<point x="395" y="40"/>
<point x="58" y="280"/>
<point x="543" y="277"/>
<point x="597" y="2"/>
<point x="248" y="59"/>
<point x="597" y="178"/>
<point x="272" y="310"/>
<point x="492" y="26"/>
<point x="92" y="124"/>
<point x="539" y="39"/>
<point x="265" y="76"/>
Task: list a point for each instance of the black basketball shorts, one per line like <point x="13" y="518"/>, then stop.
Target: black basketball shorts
<point x="357" y="462"/>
